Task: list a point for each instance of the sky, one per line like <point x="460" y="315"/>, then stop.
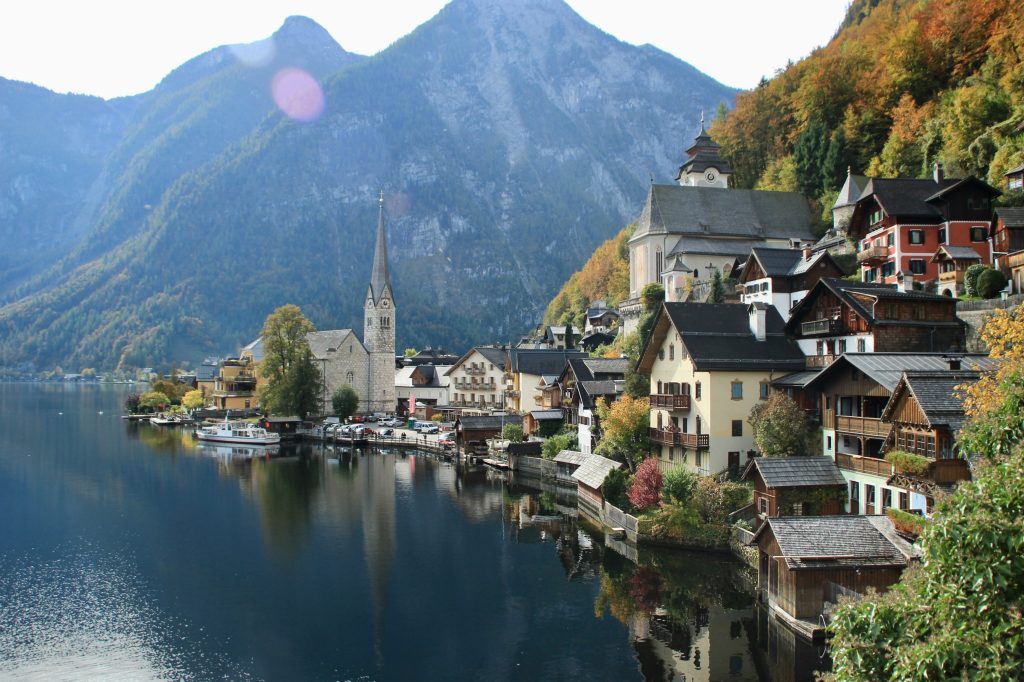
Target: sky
<point x="112" y="48"/>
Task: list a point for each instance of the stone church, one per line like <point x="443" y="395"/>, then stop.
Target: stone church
<point x="368" y="365"/>
<point x="688" y="230"/>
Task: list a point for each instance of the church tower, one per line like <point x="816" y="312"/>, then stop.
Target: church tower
<point x="704" y="166"/>
<point x="379" y="327"/>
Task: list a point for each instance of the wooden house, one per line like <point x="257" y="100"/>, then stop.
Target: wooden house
<point x="589" y="477"/>
<point x="953" y="262"/>
<point x="1008" y="244"/>
<point x="806" y="561"/>
<point x="567" y="462"/>
<point x="584" y="382"/>
<point x="781" y="277"/>
<point x="473" y="431"/>
<point x="795" y="486"/>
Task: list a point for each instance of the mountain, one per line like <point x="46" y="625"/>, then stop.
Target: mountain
<point x="509" y="139"/>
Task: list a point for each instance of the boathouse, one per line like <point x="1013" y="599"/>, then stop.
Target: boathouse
<point x="795" y="486"/>
<point x="806" y="561"/>
<point x="589" y="477"/>
<point x="567" y="462"/>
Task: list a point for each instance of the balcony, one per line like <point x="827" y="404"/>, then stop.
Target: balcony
<point x="952" y="277"/>
<point x="947" y="471"/>
<point x="818" y="361"/>
<point x="866" y="465"/>
<point x="696" y="441"/>
<point x="825" y="327"/>
<point x="873" y="255"/>
<point x="473" y="370"/>
<point x="670" y="402"/>
<point x="863" y="426"/>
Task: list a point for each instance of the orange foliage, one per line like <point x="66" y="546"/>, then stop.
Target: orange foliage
<point x="605" y="276"/>
<point x="1003" y="335"/>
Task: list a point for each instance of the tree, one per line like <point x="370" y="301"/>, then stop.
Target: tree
<point x="409" y="352"/>
<point x="678" y="485"/>
<point x="971" y="278"/>
<point x="513" y="433"/>
<point x="781" y="428"/>
<point x="990" y="283"/>
<point x="560" y="441"/>
<point x="624" y="425"/>
<point x="717" y="293"/>
<point x="614" y="488"/>
<point x="344" y="402"/>
<point x="192" y="400"/>
<point x="645" y="492"/>
<point x="293" y="381"/>
<point x="131" y="403"/>
<point x="151" y="401"/>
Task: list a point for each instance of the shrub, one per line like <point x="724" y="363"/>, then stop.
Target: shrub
<point x="677" y="485"/>
<point x="614" y="488"/>
<point x="513" y="433"/>
<point x="562" y="441"/>
<point x="971" y="278"/>
<point x="735" y="496"/>
<point x="990" y="283"/>
<point x="908" y="462"/>
<point x="906" y="522"/>
<point x="645" y="492"/>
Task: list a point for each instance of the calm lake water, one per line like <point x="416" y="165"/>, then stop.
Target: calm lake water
<point x="130" y="553"/>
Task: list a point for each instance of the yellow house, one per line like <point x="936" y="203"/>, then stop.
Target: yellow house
<point x="709" y="364"/>
<point x="529" y="370"/>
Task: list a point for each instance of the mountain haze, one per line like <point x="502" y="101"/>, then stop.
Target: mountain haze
<point x="509" y="139"/>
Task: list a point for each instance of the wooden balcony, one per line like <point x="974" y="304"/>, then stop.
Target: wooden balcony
<point x="670" y="402"/>
<point x="946" y="471"/>
<point x="863" y="426"/>
<point x="473" y="370"/>
<point x="825" y="327"/>
<point x="696" y="441"/>
<point x="874" y="254"/>
<point x="1012" y="260"/>
<point x="818" y="361"/>
<point x="952" y="277"/>
<point x="867" y="465"/>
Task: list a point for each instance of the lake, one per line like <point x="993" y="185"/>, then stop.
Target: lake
<point x="128" y="552"/>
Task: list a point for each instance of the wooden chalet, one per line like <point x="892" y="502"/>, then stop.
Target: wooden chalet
<point x="953" y="262"/>
<point x="838" y="316"/>
<point x="473" y="431"/>
<point x="806" y="562"/>
<point x="1008" y="244"/>
<point x="781" y="277"/>
<point x="589" y="477"/>
<point x="795" y="486"/>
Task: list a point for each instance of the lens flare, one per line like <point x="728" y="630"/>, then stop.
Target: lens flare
<point x="297" y="94"/>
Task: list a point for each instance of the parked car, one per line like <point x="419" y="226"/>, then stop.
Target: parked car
<point x="429" y="428"/>
<point x="393" y="422"/>
<point x="357" y="419"/>
<point x="447" y="440"/>
<point x="385" y="432"/>
<point x="362" y="431"/>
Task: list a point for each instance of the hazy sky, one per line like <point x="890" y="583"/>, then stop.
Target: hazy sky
<point x="122" y="47"/>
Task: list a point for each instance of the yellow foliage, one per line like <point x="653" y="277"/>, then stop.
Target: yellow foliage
<point x="604" y="276"/>
<point x="1003" y="335"/>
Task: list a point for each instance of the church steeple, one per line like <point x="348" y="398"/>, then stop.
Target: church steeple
<point x="704" y="166"/>
<point x="380" y="279"/>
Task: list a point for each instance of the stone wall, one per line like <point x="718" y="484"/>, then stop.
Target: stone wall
<point x="974" y="313"/>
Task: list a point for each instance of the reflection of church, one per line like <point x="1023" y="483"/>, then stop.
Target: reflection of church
<point x="368" y="365"/>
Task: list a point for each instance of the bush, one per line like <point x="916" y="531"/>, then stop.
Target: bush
<point x="513" y="433"/>
<point x="905" y="521"/>
<point x="990" y="283"/>
<point x="735" y="496"/>
<point x="562" y="441"/>
<point x="677" y="485"/>
<point x="645" y="493"/>
<point x="614" y="489"/>
<point x="971" y="278"/>
<point x="908" y="462"/>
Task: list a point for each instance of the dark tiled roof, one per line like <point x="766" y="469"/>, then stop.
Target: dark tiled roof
<point x="851" y="191"/>
<point x="542" y="361"/>
<point x="1011" y="217"/>
<point x="594" y="470"/>
<point x="606" y="366"/>
<point x="797" y="379"/>
<point x="777" y="262"/>
<point x="719" y="247"/>
<point x="495" y="356"/>
<point x="207" y="372"/>
<point x="718" y="336"/>
<point x="489" y="421"/>
<point x="570" y="457"/>
<point x="706" y="211"/>
<point x="906" y="198"/>
<point x="796" y="472"/>
<point x="590" y="391"/>
<point x="326" y="343"/>
<point x="936" y="394"/>
<point x="886" y="369"/>
<point x="546" y="415"/>
<point x="958" y="252"/>
<point x="831" y="542"/>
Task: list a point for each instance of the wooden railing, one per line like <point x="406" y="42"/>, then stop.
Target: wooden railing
<point x="818" y="361"/>
<point x="873" y="253"/>
<point x="945" y="471"/>
<point x="952" y="276"/>
<point x="697" y="441"/>
<point x="671" y="402"/>
<point x="863" y="426"/>
<point x="828" y="326"/>
<point x="867" y="465"/>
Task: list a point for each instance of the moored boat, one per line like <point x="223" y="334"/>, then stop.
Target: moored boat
<point x="242" y="433"/>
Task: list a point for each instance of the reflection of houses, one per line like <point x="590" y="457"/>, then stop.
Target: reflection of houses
<point x="529" y="370"/>
<point x="589" y="477"/>
<point x="584" y="381"/>
<point x="795" y="486"/>
<point x="806" y="561"/>
<point x="855" y="390"/>
<point x="477" y="379"/>
<point x="839" y="316"/>
<point x="781" y="277"/>
<point x="709" y="365"/>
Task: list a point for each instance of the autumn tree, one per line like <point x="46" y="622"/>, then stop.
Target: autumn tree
<point x="624" y="427"/>
<point x="293" y="381"/>
<point x="645" y="491"/>
<point x="781" y="428"/>
<point x="192" y="400"/>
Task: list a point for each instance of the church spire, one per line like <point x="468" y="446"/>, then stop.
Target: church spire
<point x="380" y="279"/>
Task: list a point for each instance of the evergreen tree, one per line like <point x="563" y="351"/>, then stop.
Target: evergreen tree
<point x="717" y="293"/>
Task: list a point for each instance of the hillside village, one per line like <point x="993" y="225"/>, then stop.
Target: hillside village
<point x="735" y="312"/>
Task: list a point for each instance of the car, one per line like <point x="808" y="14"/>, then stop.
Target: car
<point x="447" y="440"/>
<point x="385" y="432"/>
<point x="429" y="428"/>
<point x="371" y="417"/>
<point x="392" y="422"/>
<point x="362" y="431"/>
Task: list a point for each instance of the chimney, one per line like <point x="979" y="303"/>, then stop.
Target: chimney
<point x="937" y="173"/>
<point x="906" y="283"/>
<point x="758" y="313"/>
<point x="807" y="252"/>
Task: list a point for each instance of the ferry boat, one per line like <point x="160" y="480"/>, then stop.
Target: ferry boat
<point x="241" y="433"/>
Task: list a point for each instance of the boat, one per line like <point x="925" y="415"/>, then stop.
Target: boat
<point x="165" y="420"/>
<point x="235" y="452"/>
<point x="241" y="433"/>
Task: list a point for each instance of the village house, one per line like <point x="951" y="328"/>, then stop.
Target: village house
<point x="855" y="391"/>
<point x="839" y="316"/>
<point x="556" y="337"/>
<point x="1008" y="244"/>
<point x="795" y="486"/>
<point x="709" y="365"/>
<point x="688" y="230"/>
<point x="234" y="387"/>
<point x="601" y="318"/>
<point x="782" y="277"/>
<point x="584" y="381"/>
<point x="899" y="223"/>
<point x="473" y="431"/>
<point x="477" y="379"/>
<point x="206" y="377"/>
<point x="529" y="370"/>
<point x="425" y="384"/>
<point x="807" y="562"/>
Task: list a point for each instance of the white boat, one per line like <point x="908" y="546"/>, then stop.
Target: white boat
<point x="165" y="420"/>
<point x="241" y="433"/>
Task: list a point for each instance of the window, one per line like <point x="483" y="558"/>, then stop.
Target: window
<point x="862" y="346"/>
<point x="763" y="389"/>
<point x="978" y="234"/>
<point x="762" y="505"/>
<point x="886" y="498"/>
<point x="349" y="377"/>
<point x="904" y="501"/>
<point x="869" y="497"/>
<point x="870" y="275"/>
<point x="888" y="269"/>
<point x="737" y="390"/>
<point x="854" y="497"/>
<point x="942" y="235"/>
<point x="890" y="239"/>
<point x="696" y="391"/>
<point x="841" y="346"/>
<point x="737" y="428"/>
<point x="671" y="352"/>
<point x="917" y="266"/>
<point x="828" y="443"/>
<point x="661" y="354"/>
<point x="916" y="236"/>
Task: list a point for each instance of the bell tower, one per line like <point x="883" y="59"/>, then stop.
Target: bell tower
<point x="704" y="166"/>
<point x="379" y="326"/>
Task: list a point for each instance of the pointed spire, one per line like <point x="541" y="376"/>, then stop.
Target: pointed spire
<point x="702" y="131"/>
<point x="380" y="279"/>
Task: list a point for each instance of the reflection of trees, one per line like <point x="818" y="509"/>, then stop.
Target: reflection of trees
<point x="285" y="489"/>
<point x="169" y="440"/>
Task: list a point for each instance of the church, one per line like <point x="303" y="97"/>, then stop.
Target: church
<point x="368" y="365"/>
<point x="688" y="230"/>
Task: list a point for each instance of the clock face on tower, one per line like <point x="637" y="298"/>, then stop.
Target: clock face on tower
<point x="710" y="175"/>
